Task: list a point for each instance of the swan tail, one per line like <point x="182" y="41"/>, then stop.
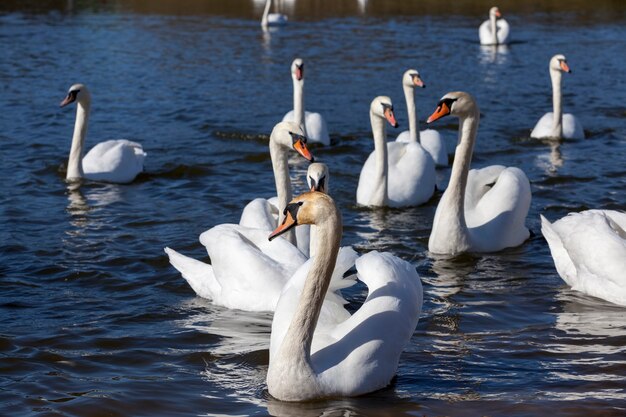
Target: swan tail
<point x="199" y="275"/>
<point x="562" y="261"/>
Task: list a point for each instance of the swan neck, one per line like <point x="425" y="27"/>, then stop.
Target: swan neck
<point x="266" y="12"/>
<point x="75" y="161"/>
<point x="557" y="107"/>
<point x="279" y="155"/>
<point x="298" y="103"/>
<point x="494" y="28"/>
<point x="455" y="193"/>
<point x="296" y="346"/>
<point x="379" y="198"/>
<point x="414" y="131"/>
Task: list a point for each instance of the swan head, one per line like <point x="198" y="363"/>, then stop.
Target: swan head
<point x="411" y="78"/>
<point x="291" y="135"/>
<point x="458" y="103"/>
<point x="495" y="12"/>
<point x="77" y="92"/>
<point x="558" y="63"/>
<point x="317" y="177"/>
<point x="311" y="207"/>
<point x="383" y="107"/>
<point x="297" y="69"/>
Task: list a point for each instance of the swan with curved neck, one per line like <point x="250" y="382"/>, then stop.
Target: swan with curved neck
<point x="310" y="360"/>
<point x="589" y="252"/>
<point x="429" y="139"/>
<point x="555" y="124"/>
<point x="117" y="161"/>
<point x="272" y="19"/>
<point x="396" y="174"/>
<point x="313" y="123"/>
<point x="481" y="210"/>
<point x="494" y="31"/>
<point x="255" y="284"/>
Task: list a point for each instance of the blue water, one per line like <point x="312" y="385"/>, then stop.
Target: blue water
<point x="93" y="319"/>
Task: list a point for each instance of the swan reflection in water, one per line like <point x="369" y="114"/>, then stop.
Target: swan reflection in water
<point x="494" y="54"/>
<point x="82" y="205"/>
<point x="551" y="162"/>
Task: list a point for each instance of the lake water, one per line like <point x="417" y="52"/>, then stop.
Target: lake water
<point x="93" y="319"/>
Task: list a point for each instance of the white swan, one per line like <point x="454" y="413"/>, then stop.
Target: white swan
<point x="494" y="31"/>
<point x="350" y="355"/>
<point x="272" y="19"/>
<point x="117" y="161"/>
<point x="589" y="252"/>
<point x="314" y="124"/>
<point x="247" y="271"/>
<point x="396" y="174"/>
<point x="555" y="124"/>
<point x="482" y="210"/>
<point x="430" y="139"/>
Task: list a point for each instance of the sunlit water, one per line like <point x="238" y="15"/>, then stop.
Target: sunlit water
<point x="93" y="319"/>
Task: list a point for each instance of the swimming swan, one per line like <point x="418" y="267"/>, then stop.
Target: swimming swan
<point x="272" y="19"/>
<point x="430" y="139"/>
<point x="589" y="252"/>
<point x="396" y="174"/>
<point x="555" y="124"/>
<point x="117" y="161"/>
<point x="314" y="124"/>
<point x="482" y="210"/>
<point x="494" y="31"/>
<point x="313" y="356"/>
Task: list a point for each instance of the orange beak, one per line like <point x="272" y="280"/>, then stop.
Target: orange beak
<point x="301" y="148"/>
<point x="565" y="67"/>
<point x="440" y="111"/>
<point x="288" y="223"/>
<point x="299" y="73"/>
<point x="418" y="82"/>
<point x="67" y="100"/>
<point x="313" y="188"/>
<point x="390" y="117"/>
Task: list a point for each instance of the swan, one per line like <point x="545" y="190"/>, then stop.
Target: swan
<point x="247" y="272"/>
<point x="117" y="161"/>
<point x="272" y="19"/>
<point x="482" y="210"/>
<point x="555" y="124"/>
<point x="314" y="124"/>
<point x="313" y="358"/>
<point x="494" y="31"/>
<point x="589" y="252"/>
<point x="430" y="139"/>
<point x="396" y="174"/>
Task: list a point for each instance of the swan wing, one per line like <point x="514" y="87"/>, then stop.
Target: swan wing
<point x="502" y="31"/>
<point x="250" y="269"/>
<point x="433" y="143"/>
<point x="367" y="186"/>
<point x="572" y="129"/>
<point x="411" y="177"/>
<point x="543" y="128"/>
<point x="316" y="129"/>
<point x="484" y="33"/>
<point x="404" y="137"/>
<point x="497" y="220"/>
<point x="260" y="214"/>
<point x="198" y="274"/>
<point x="117" y="161"/>
<point x="364" y="350"/>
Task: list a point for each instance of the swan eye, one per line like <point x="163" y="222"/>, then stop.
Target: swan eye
<point x="387" y="106"/>
<point x="296" y="137"/>
<point x="448" y="102"/>
<point x="292" y="208"/>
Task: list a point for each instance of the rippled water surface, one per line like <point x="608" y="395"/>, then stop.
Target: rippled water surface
<point x="93" y="319"/>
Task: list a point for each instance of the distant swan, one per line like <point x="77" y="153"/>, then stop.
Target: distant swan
<point x="555" y="124"/>
<point x="117" y="161"/>
<point x="396" y="174"/>
<point x="314" y="124"/>
<point x="589" y="252"/>
<point x="272" y="19"/>
<point x="430" y="139"/>
<point x="482" y="210"/>
<point x="314" y="355"/>
<point x="494" y="31"/>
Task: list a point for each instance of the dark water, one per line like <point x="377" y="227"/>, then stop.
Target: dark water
<point x="94" y="321"/>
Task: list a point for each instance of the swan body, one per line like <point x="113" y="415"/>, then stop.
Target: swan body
<point x="429" y="139"/>
<point x="555" y="124"/>
<point x="589" y="252"/>
<point x="494" y="31"/>
<point x="314" y="124"/>
<point x="247" y="271"/>
<point x="396" y="174"/>
<point x="314" y="356"/>
<point x="272" y="19"/>
<point x="482" y="210"/>
<point x="116" y="161"/>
